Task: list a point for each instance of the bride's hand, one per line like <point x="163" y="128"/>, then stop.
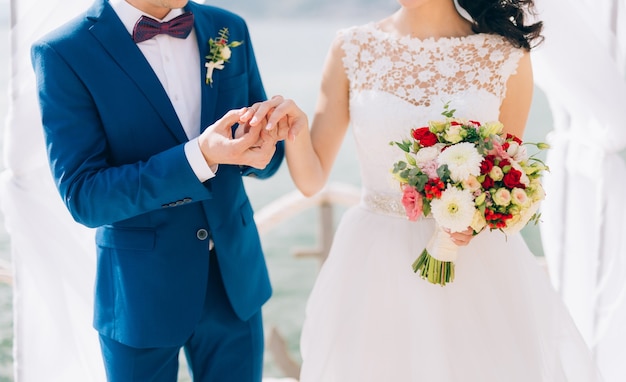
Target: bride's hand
<point x="461" y="238"/>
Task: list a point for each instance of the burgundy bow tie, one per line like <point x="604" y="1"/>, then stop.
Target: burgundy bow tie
<point x="147" y="27"/>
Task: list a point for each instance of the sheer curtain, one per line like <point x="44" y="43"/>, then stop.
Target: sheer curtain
<point x="582" y="69"/>
<point x="53" y="257"/>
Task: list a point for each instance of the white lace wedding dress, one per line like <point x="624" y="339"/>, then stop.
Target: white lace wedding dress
<point x="369" y="317"/>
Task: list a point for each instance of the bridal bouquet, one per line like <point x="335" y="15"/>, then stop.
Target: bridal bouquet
<point x="466" y="174"/>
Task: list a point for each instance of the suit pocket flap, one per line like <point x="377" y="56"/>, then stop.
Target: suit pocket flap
<point x="134" y="239"/>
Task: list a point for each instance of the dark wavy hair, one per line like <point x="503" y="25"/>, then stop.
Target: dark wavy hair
<point x="506" y="18"/>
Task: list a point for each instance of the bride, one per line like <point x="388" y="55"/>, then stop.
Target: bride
<point x="369" y="317"/>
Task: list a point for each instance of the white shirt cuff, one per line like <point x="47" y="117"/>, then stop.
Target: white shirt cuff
<point x="197" y="162"/>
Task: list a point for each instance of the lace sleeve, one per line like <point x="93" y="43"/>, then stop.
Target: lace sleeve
<point x="351" y="51"/>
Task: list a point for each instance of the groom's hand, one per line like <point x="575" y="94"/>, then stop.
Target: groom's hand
<point x="246" y="148"/>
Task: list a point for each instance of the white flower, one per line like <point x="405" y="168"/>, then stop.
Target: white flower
<point x="426" y="160"/>
<point x="454" y="210"/>
<point x="496" y="173"/>
<point x="517" y="152"/>
<point x="426" y="154"/>
<point x="463" y="160"/>
<point x="453" y="134"/>
<point x="491" y="128"/>
<point x="536" y="191"/>
<point x="471" y="184"/>
<point x="225" y="53"/>
<point x="519" y="197"/>
<point x="502" y="197"/>
<point x="518" y="222"/>
<point x="478" y="222"/>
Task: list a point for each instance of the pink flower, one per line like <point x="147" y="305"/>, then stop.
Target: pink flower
<point x="430" y="168"/>
<point x="499" y="151"/>
<point x="412" y="202"/>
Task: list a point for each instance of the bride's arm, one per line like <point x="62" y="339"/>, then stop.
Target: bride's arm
<point x="516" y="104"/>
<point x="311" y="155"/>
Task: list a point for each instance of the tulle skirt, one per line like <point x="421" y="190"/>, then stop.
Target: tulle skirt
<point x="371" y="318"/>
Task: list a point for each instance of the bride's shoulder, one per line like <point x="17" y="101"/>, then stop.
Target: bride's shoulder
<point x="366" y="29"/>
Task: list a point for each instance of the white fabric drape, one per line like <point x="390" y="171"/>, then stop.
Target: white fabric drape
<point x="581" y="68"/>
<point x="53" y="257"/>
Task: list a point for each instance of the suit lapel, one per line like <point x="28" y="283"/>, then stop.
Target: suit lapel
<point x="203" y="25"/>
<point x="109" y="30"/>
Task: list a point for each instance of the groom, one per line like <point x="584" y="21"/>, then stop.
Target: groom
<point x="138" y="118"/>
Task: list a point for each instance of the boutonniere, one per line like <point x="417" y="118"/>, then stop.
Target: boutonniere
<point x="219" y="53"/>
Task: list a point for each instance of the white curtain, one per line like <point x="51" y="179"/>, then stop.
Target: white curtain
<point x="53" y="257"/>
<point x="582" y="69"/>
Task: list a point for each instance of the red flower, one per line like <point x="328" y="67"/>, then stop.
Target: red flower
<point x="487" y="183"/>
<point x="512" y="179"/>
<point x="475" y="122"/>
<point x="487" y="164"/>
<point x="511" y="137"/>
<point x="424" y="136"/>
<point x="496" y="219"/>
<point x="433" y="188"/>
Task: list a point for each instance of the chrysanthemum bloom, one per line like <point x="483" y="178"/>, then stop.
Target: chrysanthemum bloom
<point x="454" y="210"/>
<point x="463" y="160"/>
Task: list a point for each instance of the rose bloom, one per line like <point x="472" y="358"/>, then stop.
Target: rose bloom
<point x="502" y="197"/>
<point x="487" y="183"/>
<point x="536" y="191"/>
<point x="512" y="179"/>
<point x="225" y="53"/>
<point x="425" y="137"/>
<point x="479" y="222"/>
<point x="523" y="179"/>
<point x="453" y="134"/>
<point x="519" y="197"/>
<point x="471" y="183"/>
<point x="496" y="173"/>
<point x="487" y="164"/>
<point x="412" y="202"/>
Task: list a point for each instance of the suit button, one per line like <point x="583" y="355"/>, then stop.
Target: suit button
<point x="202" y="234"/>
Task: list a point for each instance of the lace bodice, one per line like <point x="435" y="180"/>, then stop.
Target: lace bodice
<point x="400" y="83"/>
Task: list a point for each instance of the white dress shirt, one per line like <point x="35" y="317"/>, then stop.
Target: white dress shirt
<point x="175" y="61"/>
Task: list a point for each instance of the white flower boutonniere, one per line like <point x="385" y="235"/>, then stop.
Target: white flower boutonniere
<point x="219" y="53"/>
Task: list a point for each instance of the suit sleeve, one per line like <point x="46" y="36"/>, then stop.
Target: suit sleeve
<point x="95" y="191"/>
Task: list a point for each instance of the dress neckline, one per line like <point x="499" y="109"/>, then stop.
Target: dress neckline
<point x="452" y="40"/>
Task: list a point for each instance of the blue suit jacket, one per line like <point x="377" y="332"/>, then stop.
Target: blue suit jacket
<point x="115" y="146"/>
